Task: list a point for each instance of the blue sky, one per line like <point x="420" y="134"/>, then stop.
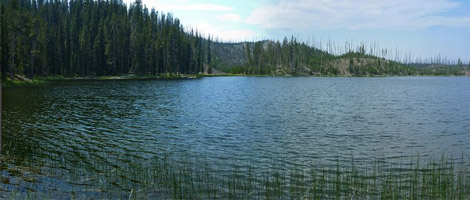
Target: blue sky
<point x="425" y="27"/>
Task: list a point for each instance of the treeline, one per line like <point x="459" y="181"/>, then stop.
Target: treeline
<point x="95" y="38"/>
<point x="291" y="57"/>
<point x="105" y="37"/>
<point x="275" y="57"/>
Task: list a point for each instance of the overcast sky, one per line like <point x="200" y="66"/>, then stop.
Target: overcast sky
<point x="425" y="27"/>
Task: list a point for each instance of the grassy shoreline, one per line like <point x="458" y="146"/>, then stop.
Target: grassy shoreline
<point x="48" y="79"/>
<point x="168" y="177"/>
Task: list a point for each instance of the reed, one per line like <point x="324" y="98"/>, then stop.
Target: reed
<point x="182" y="177"/>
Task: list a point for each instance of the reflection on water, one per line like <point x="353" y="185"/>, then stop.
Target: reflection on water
<point x="67" y="134"/>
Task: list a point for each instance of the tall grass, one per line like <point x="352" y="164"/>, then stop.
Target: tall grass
<point x="167" y="177"/>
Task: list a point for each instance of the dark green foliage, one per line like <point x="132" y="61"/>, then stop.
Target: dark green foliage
<point x="94" y="38"/>
<point x="3" y="42"/>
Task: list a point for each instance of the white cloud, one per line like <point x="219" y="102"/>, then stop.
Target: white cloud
<point x="357" y="14"/>
<point x="226" y="34"/>
<point x="216" y="18"/>
<point x="181" y="5"/>
<point x="230" y="17"/>
<point x="190" y="7"/>
<point x="195" y="7"/>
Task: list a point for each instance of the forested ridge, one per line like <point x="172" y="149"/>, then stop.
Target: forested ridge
<point x="291" y="57"/>
<point x="86" y="38"/>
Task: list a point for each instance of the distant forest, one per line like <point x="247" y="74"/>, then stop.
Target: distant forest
<point x="88" y="38"/>
<point x="291" y="57"/>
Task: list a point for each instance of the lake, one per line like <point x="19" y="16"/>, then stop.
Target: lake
<point x="71" y="136"/>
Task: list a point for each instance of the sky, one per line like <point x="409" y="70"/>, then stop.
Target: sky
<point x="427" y="28"/>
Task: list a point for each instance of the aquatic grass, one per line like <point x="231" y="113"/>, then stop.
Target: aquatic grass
<point x="172" y="176"/>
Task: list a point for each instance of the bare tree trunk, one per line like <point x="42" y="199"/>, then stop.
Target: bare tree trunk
<point x="114" y="53"/>
<point x="32" y="60"/>
<point x="12" y="57"/>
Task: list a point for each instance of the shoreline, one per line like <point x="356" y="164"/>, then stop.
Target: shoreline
<point x="49" y="79"/>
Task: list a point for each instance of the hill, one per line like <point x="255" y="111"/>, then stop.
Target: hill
<point x="87" y="38"/>
<point x="290" y="57"/>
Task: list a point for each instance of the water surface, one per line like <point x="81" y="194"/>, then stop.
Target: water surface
<point x="73" y="129"/>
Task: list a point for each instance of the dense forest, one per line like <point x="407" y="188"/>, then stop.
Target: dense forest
<point x="95" y="38"/>
<point x="89" y="38"/>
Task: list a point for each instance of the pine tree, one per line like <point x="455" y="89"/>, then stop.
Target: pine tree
<point x="248" y="57"/>
<point x="209" y="56"/>
<point x="3" y="43"/>
<point x="14" y="32"/>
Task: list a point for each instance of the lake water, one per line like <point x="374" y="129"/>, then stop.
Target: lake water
<point x="77" y="128"/>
